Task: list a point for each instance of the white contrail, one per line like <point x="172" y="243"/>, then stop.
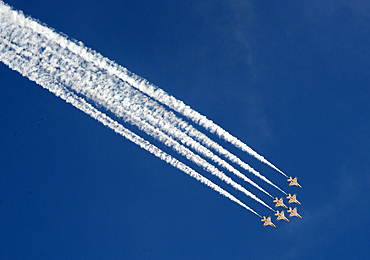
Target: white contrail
<point x="81" y="104"/>
<point x="71" y="81"/>
<point x="67" y="77"/>
<point x="159" y="111"/>
<point x="36" y="43"/>
<point x="144" y="86"/>
<point x="136" y="106"/>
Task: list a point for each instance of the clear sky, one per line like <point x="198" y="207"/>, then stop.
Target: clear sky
<point x="290" y="79"/>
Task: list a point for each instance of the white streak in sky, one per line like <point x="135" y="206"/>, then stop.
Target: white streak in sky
<point x="18" y="64"/>
<point x="80" y="75"/>
<point x="83" y="78"/>
<point x="35" y="71"/>
<point x="149" y="110"/>
<point x="147" y="88"/>
<point x="67" y="76"/>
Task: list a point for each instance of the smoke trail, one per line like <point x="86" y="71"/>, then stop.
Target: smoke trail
<point x="35" y="67"/>
<point x="35" y="71"/>
<point x="75" y="68"/>
<point x="149" y="104"/>
<point x="82" y="105"/>
<point x="140" y="107"/>
<point x="147" y="88"/>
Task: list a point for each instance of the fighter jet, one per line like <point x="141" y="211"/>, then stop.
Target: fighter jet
<point x="293" y="212"/>
<point x="294" y="182"/>
<point x="279" y="203"/>
<point x="293" y="199"/>
<point x="281" y="215"/>
<point x="267" y="221"/>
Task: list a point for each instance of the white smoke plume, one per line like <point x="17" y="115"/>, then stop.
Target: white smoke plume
<point x="49" y="65"/>
<point x="147" y="88"/>
<point x="84" y="78"/>
<point x="18" y="59"/>
<point x="149" y="110"/>
<point x="82" y="105"/>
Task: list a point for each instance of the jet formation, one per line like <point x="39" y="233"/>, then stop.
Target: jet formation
<point x="280" y="203"/>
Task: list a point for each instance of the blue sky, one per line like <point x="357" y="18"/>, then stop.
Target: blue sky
<point x="289" y="79"/>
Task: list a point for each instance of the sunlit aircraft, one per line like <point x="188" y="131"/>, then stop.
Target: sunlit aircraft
<point x="294" y="182"/>
<point x="293" y="212"/>
<point x="267" y="221"/>
<point x="281" y="215"/>
<point x="279" y="203"/>
<point x="293" y="199"/>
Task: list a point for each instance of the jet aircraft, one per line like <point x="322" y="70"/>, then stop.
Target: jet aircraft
<point x="281" y="215"/>
<point x="293" y="212"/>
<point x="294" y="182"/>
<point x="293" y="199"/>
<point x="267" y="221"/>
<point x="279" y="202"/>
